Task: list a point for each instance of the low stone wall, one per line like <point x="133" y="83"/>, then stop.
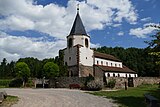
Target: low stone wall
<point x="63" y="82"/>
<point x="120" y="82"/>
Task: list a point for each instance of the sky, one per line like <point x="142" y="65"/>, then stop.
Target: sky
<point x="38" y="28"/>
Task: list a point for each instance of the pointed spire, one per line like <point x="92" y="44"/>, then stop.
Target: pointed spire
<point x="78" y="28"/>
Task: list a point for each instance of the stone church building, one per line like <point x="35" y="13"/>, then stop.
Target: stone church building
<point x="82" y="61"/>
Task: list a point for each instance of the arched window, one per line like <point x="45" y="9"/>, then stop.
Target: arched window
<point x="108" y="75"/>
<point x="86" y="42"/>
<point x="118" y="75"/>
<point x="101" y="62"/>
<point x="113" y="74"/>
<point x="70" y="42"/>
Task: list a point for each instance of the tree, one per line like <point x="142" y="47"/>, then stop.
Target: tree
<point x="22" y="71"/>
<point x="155" y="44"/>
<point x="51" y="70"/>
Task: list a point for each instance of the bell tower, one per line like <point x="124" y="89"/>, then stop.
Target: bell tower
<point x="78" y="54"/>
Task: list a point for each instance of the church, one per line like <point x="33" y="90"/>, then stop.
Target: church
<point x="82" y="61"/>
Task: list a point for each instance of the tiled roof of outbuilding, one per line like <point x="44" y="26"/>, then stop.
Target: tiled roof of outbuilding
<point x="124" y="69"/>
<point x="105" y="56"/>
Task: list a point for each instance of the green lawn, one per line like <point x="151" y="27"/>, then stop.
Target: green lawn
<point x="9" y="101"/>
<point x="133" y="97"/>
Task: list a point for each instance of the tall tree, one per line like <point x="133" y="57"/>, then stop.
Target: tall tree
<point x="22" y="71"/>
<point x="51" y="70"/>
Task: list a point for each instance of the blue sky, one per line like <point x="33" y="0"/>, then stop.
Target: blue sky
<point x="38" y="28"/>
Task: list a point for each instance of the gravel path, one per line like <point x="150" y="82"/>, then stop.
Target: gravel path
<point x="57" y="98"/>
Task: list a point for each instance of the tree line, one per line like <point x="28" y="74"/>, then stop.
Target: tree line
<point x="37" y="68"/>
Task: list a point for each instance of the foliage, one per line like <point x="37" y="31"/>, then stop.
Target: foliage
<point x="111" y="83"/>
<point x="22" y="71"/>
<point x="5" y="82"/>
<point x="94" y="85"/>
<point x="51" y="70"/>
<point x="16" y="83"/>
<point x="133" y="97"/>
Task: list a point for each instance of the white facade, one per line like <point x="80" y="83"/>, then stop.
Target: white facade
<point x="113" y="74"/>
<point x="104" y="62"/>
<point x="70" y="57"/>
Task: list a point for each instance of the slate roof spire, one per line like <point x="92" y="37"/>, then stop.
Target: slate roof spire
<point x="78" y="28"/>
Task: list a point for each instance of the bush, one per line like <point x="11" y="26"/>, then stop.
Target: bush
<point x="94" y="85"/>
<point x="4" y="82"/>
<point x="16" y="83"/>
<point x="30" y="83"/>
<point x="111" y="83"/>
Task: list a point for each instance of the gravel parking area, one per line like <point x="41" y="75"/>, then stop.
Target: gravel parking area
<point x="57" y="98"/>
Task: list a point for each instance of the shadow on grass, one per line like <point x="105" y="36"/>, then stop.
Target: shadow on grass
<point x="130" y="101"/>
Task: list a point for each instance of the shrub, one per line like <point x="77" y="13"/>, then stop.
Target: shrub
<point x="16" y="83"/>
<point x="30" y="83"/>
<point x="5" y="82"/>
<point x="94" y="85"/>
<point x="111" y="83"/>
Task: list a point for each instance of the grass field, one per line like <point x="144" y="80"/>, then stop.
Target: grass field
<point x="133" y="97"/>
<point x="9" y="101"/>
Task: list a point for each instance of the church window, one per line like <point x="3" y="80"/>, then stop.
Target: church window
<point x="97" y="62"/>
<point x="65" y="63"/>
<point x="126" y="75"/>
<point x="69" y="58"/>
<point x="106" y="63"/>
<point x="86" y="42"/>
<point x="70" y="42"/>
<point x="113" y="74"/>
<point x="108" y="75"/>
<point x="101" y="62"/>
<point x="118" y="75"/>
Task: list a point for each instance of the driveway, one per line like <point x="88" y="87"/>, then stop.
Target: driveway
<point x="57" y="98"/>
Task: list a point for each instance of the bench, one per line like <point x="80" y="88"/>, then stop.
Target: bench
<point x="151" y="101"/>
<point x="73" y="86"/>
<point x="3" y="95"/>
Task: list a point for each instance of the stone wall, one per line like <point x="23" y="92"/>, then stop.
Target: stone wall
<point x="85" y="70"/>
<point x="120" y="82"/>
<point x="63" y="82"/>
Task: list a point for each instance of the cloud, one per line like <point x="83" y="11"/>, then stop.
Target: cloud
<point x="120" y="33"/>
<point x="56" y="21"/>
<point x="13" y="48"/>
<point x="142" y="32"/>
<point x="146" y="19"/>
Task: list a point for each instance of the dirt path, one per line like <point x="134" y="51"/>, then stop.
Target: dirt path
<point x="57" y="98"/>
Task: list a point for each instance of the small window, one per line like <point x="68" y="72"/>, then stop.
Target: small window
<point x="108" y="75"/>
<point x="111" y="64"/>
<point x="86" y="42"/>
<point x="97" y="62"/>
<point x="70" y="42"/>
<point x="119" y="65"/>
<point x="129" y="75"/>
<point x="115" y="65"/>
<point x="69" y="58"/>
<point x="86" y="57"/>
<point x="118" y="75"/>
<point x="101" y="62"/>
<point x="65" y="63"/>
<point x="126" y="75"/>
<point x="113" y="74"/>
<point x="106" y="63"/>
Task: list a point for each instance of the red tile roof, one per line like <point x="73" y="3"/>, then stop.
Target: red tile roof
<point x="124" y="69"/>
<point x="105" y="56"/>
